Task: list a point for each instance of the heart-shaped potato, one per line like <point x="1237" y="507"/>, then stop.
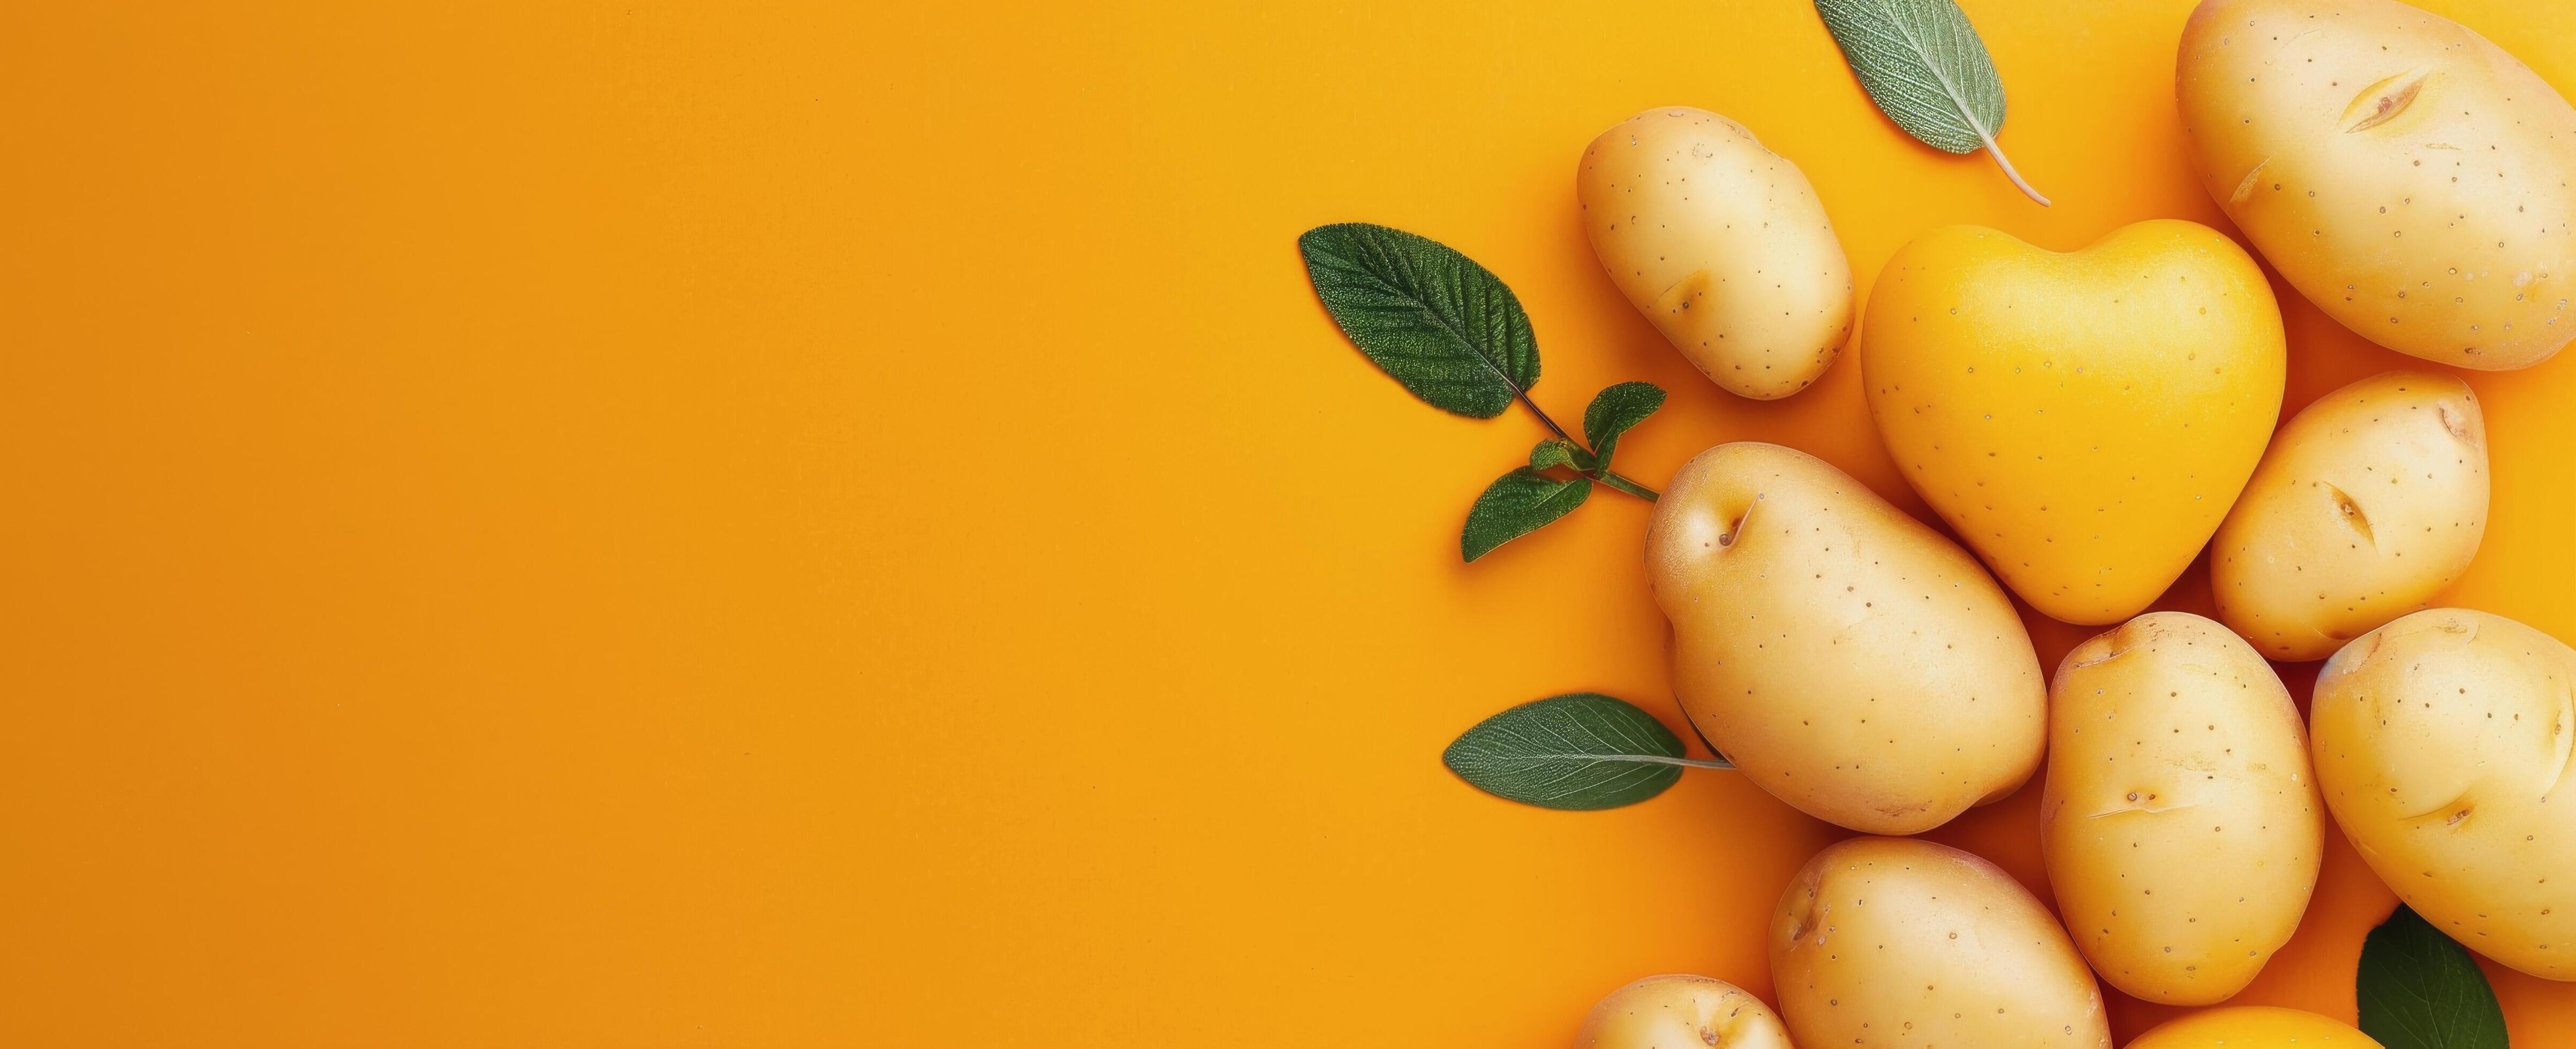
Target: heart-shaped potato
<point x="2084" y="419"/>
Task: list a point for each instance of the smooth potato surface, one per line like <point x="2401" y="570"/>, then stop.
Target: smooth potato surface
<point x="2179" y="820"/>
<point x="1681" y="1011"/>
<point x="2369" y="502"/>
<point x="1900" y="941"/>
<point x="2082" y="420"/>
<point x="2441" y="744"/>
<point x="1722" y="244"/>
<point x="2406" y="175"/>
<point x="1848" y="659"/>
<point x="2254" y="1027"/>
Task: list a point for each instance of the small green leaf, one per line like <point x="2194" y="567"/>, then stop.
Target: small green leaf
<point x="1614" y="410"/>
<point x="2419" y="989"/>
<point x="1928" y="71"/>
<point x="1516" y="504"/>
<point x="1578" y="751"/>
<point x="1440" y="324"/>
<point x="1552" y="452"/>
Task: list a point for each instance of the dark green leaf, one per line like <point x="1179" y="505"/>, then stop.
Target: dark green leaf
<point x="1516" y="504"/>
<point x="1924" y="65"/>
<point x="1439" y="323"/>
<point x="1579" y="751"/>
<point x="1616" y="409"/>
<point x="1553" y="452"/>
<point x="2419" y="989"/>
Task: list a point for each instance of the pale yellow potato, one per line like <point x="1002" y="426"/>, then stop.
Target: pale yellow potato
<point x="2369" y="502"/>
<point x="1848" y="659"/>
<point x="2406" y="175"/>
<point x="1681" y="1011"/>
<point x="2254" y="1027"/>
<point x="1902" y="942"/>
<point x="2441" y="744"/>
<point x="2179" y="820"/>
<point x="1722" y="244"/>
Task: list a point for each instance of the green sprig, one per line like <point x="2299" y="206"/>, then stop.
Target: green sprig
<point x="1453" y="334"/>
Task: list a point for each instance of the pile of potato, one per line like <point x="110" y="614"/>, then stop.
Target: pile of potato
<point x="2087" y="423"/>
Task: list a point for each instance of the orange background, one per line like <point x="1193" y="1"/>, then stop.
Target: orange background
<point x="827" y="523"/>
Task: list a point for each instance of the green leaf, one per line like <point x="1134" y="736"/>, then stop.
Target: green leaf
<point x="2419" y="989"/>
<point x="1616" y="409"/>
<point x="1516" y="504"/>
<point x="1578" y="751"/>
<point x="1924" y="65"/>
<point x="1432" y="318"/>
<point x="1552" y="452"/>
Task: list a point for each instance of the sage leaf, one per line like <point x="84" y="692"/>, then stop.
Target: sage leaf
<point x="1441" y="325"/>
<point x="1559" y="453"/>
<point x="1614" y="410"/>
<point x="2419" y="989"/>
<point x="1577" y="751"/>
<point x="1928" y="71"/>
<point x="1516" y="504"/>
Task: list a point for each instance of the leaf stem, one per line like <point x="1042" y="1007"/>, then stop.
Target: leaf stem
<point x="2001" y="161"/>
<point x="1658" y="759"/>
<point x="1704" y="740"/>
<point x="1642" y="759"/>
<point x="1552" y="427"/>
<point x="1608" y="477"/>
<point x="1612" y="478"/>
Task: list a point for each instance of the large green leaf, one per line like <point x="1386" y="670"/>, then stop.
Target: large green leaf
<point x="1440" y="324"/>
<point x="2419" y="989"/>
<point x="1516" y="504"/>
<point x="1578" y="751"/>
<point x="1928" y="71"/>
<point x="1614" y="410"/>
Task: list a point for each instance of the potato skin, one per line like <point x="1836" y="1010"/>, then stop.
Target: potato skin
<point x="2254" y="1027"/>
<point x="2441" y="744"/>
<point x="1722" y="244"/>
<point x="2179" y="821"/>
<point x="2082" y="420"/>
<point x="2406" y="175"/>
<point x="1848" y="659"/>
<point x="2370" y="501"/>
<point x="1900" y="941"/>
<point x="1681" y="1011"/>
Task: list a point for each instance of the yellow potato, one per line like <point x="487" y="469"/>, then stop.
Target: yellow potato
<point x="2253" y="1027"/>
<point x="2179" y="820"/>
<point x="2441" y="745"/>
<point x="2083" y="420"/>
<point x="2407" y="176"/>
<point x="1679" y="1011"/>
<point x="1849" y="659"/>
<point x="1898" y="941"/>
<point x="1722" y="244"/>
<point x="2370" y="502"/>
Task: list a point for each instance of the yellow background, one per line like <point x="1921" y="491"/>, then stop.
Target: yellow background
<point x="825" y="523"/>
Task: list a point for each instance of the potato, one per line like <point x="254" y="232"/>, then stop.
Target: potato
<point x="1722" y="244"/>
<point x="2441" y="744"/>
<point x="1898" y="941"/>
<point x="2407" y="176"/>
<point x="2082" y="419"/>
<point x="2179" y="821"/>
<point x="1851" y="661"/>
<point x="2254" y="1027"/>
<point x="2370" y="502"/>
<point x="1679" y="1011"/>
